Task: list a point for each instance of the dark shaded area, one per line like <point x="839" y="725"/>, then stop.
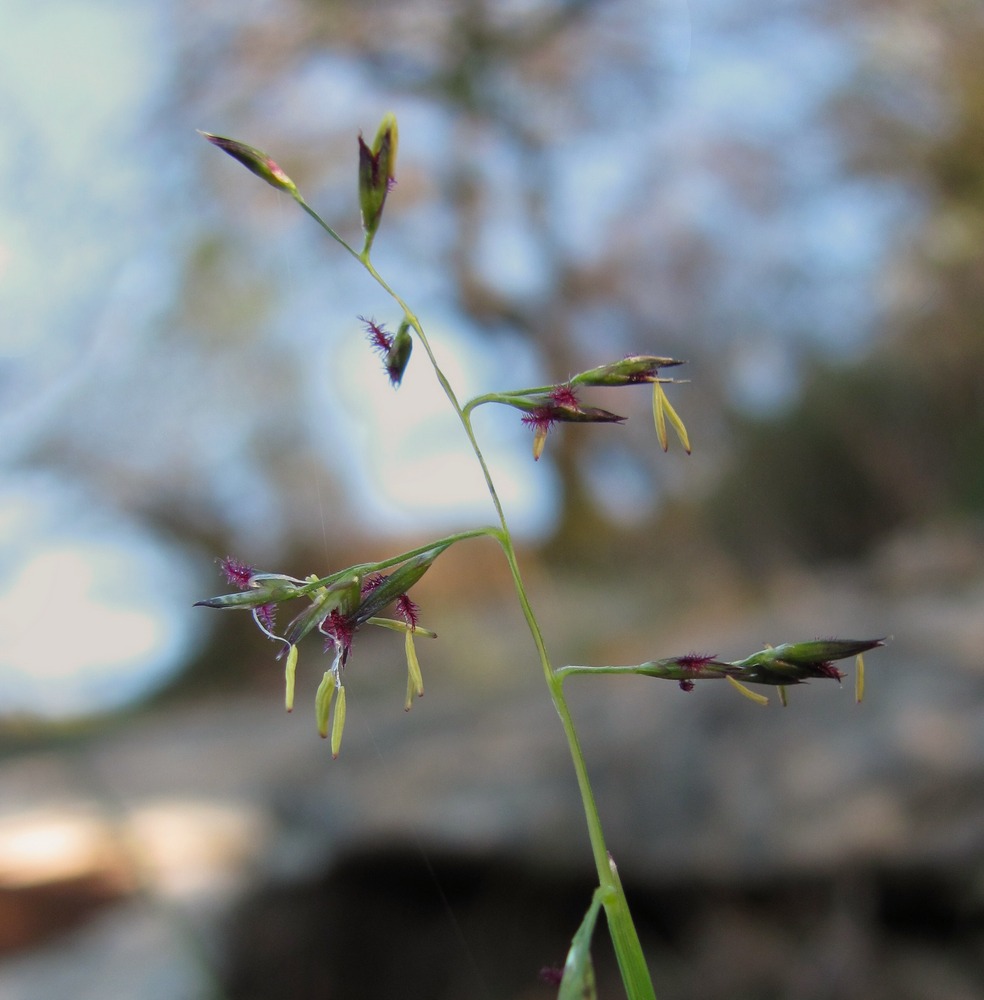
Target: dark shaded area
<point x="394" y="921"/>
<point x="35" y="915"/>
<point x="398" y="922"/>
<point x="893" y="444"/>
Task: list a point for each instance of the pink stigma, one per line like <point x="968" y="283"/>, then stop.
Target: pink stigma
<point x="339" y="631"/>
<point x="694" y="661"/>
<point x="539" y="419"/>
<point x="378" y="336"/>
<point x="564" y="395"/>
<point x="267" y="616"/>
<point x="237" y="572"/>
<point x="827" y="669"/>
<point x="408" y="610"/>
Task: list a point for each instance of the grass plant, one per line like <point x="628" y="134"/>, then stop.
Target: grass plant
<point x="336" y="606"/>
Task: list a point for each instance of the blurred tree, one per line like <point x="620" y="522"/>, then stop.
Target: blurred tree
<point x="896" y="440"/>
<point x="587" y="178"/>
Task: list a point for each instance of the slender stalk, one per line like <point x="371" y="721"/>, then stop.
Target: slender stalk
<point x="324" y="225"/>
<point x="570" y="671"/>
<point x="780" y="666"/>
<point x="624" y="937"/>
<point x="374" y="567"/>
<point x="502" y="397"/>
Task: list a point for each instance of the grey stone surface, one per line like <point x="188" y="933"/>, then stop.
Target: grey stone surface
<point x="202" y="803"/>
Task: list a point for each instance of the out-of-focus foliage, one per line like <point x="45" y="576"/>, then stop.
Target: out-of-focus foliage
<point x="898" y="439"/>
<point x="577" y="180"/>
<point x="767" y="193"/>
<point x="597" y="178"/>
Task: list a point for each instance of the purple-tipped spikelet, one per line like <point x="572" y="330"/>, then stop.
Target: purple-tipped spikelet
<point x="778" y="666"/>
<point x="255" y="160"/>
<point x="635" y="369"/>
<point x="377" y="174"/>
<point x="559" y="405"/>
<point x="395" y="349"/>
<point x="337" y="607"/>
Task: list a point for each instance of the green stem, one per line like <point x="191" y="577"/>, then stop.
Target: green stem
<point x="374" y="567"/>
<point x="506" y="397"/>
<point x="324" y="225"/>
<point x="573" y="670"/>
<point x="628" y="950"/>
<point x="627" y="947"/>
<point x="505" y="540"/>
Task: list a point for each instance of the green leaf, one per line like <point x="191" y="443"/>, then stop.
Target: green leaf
<point x="628" y="950"/>
<point x="579" y="979"/>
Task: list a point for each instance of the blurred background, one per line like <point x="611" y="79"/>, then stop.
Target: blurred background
<point x="789" y="195"/>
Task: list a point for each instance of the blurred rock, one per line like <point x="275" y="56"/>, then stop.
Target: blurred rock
<point x="851" y="819"/>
